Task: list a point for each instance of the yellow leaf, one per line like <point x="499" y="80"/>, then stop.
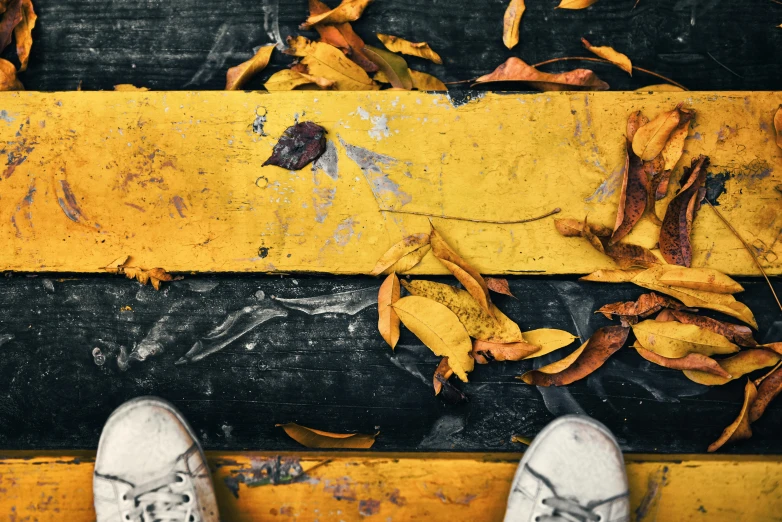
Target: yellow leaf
<point x="126" y="87"/>
<point x="521" y="439"/>
<point x="239" y="75"/>
<point x="558" y="366"/>
<point x="400" y="45"/>
<point x="661" y="87"/>
<point x="608" y="53"/>
<point x="548" y="339"/>
<point x="8" y="80"/>
<point x="739" y="429"/>
<point x="738" y="365"/>
<point x="399" y="250"/>
<point x="778" y="125"/>
<point x="439" y="329"/>
<point x="575" y="4"/>
<point x="409" y="261"/>
<point x="115" y="267"/>
<point x="479" y="324"/>
<point x="461" y="269"/>
<point x="388" y="321"/>
<point x="650" y="139"/>
<point x="23" y="33"/>
<point x="706" y="279"/>
<point x="426" y="82"/>
<point x="318" y="439"/>
<point x="675" y="340"/>
<point x="393" y="66"/>
<point x="674" y="147"/>
<point x="347" y="11"/>
<point x="288" y="80"/>
<point x="154" y="276"/>
<point x="724" y="303"/>
<point x="511" y="22"/>
<point x="612" y="276"/>
<point x="326" y="61"/>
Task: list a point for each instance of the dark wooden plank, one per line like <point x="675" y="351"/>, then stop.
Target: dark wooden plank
<point x="189" y="44"/>
<point x="330" y="371"/>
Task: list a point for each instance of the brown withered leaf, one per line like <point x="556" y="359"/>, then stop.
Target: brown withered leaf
<point x="691" y="361"/>
<point x="312" y="438"/>
<point x="484" y="352"/>
<point x="739" y="429"/>
<point x="635" y="121"/>
<point x="346" y="11"/>
<point x="442" y="373"/>
<point x="8" y="80"/>
<point x="662" y="185"/>
<point x="778" y="126"/>
<point x="769" y="387"/>
<point x="511" y="22"/>
<point x="499" y="285"/>
<point x="774" y="347"/>
<point x="239" y="75"/>
<point x="574" y="228"/>
<point x="736" y="333"/>
<point x="23" y="33"/>
<point x="706" y="279"/>
<point x="650" y="139"/>
<point x="299" y="145"/>
<point x="676" y="230"/>
<point x="608" y="53"/>
<point x="603" y="343"/>
<point x="154" y="276"/>
<point x="388" y="321"/>
<point x="588" y="234"/>
<point x="11" y="18"/>
<point x="515" y="70"/>
<point x="672" y="151"/>
<point x="575" y="4"/>
<point x="393" y="66"/>
<point x="398" y="251"/>
<point x="633" y="198"/>
<point x="400" y="45"/>
<point x="743" y="363"/>
<point x="644" y="306"/>
<point x="341" y="36"/>
<point x="467" y="275"/>
<point x="628" y="256"/>
<point x="612" y="276"/>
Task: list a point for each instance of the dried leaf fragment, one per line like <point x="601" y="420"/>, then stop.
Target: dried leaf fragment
<point x="511" y="22"/>
<point x="634" y="195"/>
<point x="548" y="339"/>
<point x="778" y="126"/>
<point x="400" y="45"/>
<point x="706" y="279"/>
<point x="675" y="340"/>
<point x="239" y="75"/>
<point x="326" y="61"/>
<point x="565" y="362"/>
<point x="612" y="276"/>
<point x="426" y="82"/>
<point x="744" y="362"/>
<point x="346" y="11"/>
<point x="388" y="321"/>
<point x="575" y="228"/>
<point x="644" y="306"/>
<point x="312" y="438"/>
<point x="575" y="4"/>
<point x="341" y="36"/>
<point x="23" y="33"/>
<point x="392" y="65"/>
<point x="399" y="250"/>
<point x="676" y="230"/>
<point x="127" y="87"/>
<point x="736" y="333"/>
<point x="153" y="276"/>
<point x="608" y="53"/>
<point x="739" y="429"/>
<point x="484" y="352"/>
<point x="11" y="18"/>
<point x="299" y="145"/>
<point x="515" y="70"/>
<point x="691" y="361"/>
<point x="289" y="80"/>
<point x="768" y="388"/>
<point x="8" y="80"/>
<point x="499" y="285"/>
<point x="674" y="147"/>
<point x="442" y="373"/>
<point x="650" y="139"/>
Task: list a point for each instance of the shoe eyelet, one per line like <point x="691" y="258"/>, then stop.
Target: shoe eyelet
<point x="127" y="517"/>
<point x="187" y="498"/>
<point x="180" y="478"/>
<point x="124" y="497"/>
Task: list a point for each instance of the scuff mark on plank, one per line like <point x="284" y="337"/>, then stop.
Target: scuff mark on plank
<point x="386" y="191"/>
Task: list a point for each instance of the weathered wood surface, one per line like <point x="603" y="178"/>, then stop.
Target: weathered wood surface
<point x="189" y="44"/>
<point x="327" y="368"/>
<point x="175" y="179"/>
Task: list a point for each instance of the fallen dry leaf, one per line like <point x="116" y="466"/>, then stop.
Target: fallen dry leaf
<point x="674" y="147"/>
<point x="591" y="356"/>
<point x="612" y="276"/>
<point x="650" y="139"/>
<point x="676" y="230"/>
<point x="398" y="251"/>
<point x="289" y="80"/>
<point x="407" y="262"/>
<point x="735" y="333"/>
<point x="8" y="80"/>
<point x="521" y="439"/>
<point x="299" y="145"/>
<point x="484" y="352"/>
<point x="674" y="340"/>
<point x="768" y="388"/>
<point x="326" y="61"/>
<point x="706" y="279"/>
<point x="548" y="339"/>
<point x="511" y="22"/>
<point x="608" y="53"/>
<point x="660" y="87"/>
<point x="691" y="361"/>
<point x="499" y="286"/>
<point x="127" y="87"/>
<point x="635" y="121"/>
<point x="154" y="276"/>
<point x="774" y="347"/>
<point x="347" y="11"/>
<point x="341" y="36"/>
<point x="426" y="82"/>
<point x="778" y="125"/>
<point x="11" y="18"/>
<point x="739" y="429"/>
<point x="575" y="228"/>
<point x="634" y="196"/>
<point x="239" y="75"/>
<point x="393" y="66"/>
<point x="442" y="373"/>
<point x="575" y="4"/>
<point x="644" y="306"/>
<point x="439" y="329"/>
<point x="479" y="324"/>
<point x="388" y="321"/>
<point x="627" y="256"/>
<point x="462" y="270"/>
<point x="317" y="439"/>
<point x="23" y="33"/>
<point x="515" y="70"/>
<point x="565" y="362"/>
<point x="400" y="45"/>
<point x="742" y="363"/>
<point x="115" y="267"/>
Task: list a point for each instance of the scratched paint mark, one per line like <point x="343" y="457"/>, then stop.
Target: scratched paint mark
<point x="260" y="121"/>
<point x="350" y="303"/>
<point x="379" y="128"/>
<point x="607" y="188"/>
<point x="344" y="232"/>
<point x="70" y="206"/>
<point x="265" y="472"/>
<point x="6" y="117"/>
<point x="6" y="338"/>
<point x="386" y="191"/>
<point x="322" y="199"/>
<point x="368" y="507"/>
<point x="459" y="98"/>
<point x="180" y="206"/>
<point x="131" y="205"/>
<point x="340" y="489"/>
<point x="328" y="163"/>
<point x="747" y="173"/>
<point x="19" y="152"/>
<point x="647" y="509"/>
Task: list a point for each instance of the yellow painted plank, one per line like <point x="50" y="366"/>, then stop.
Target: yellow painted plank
<point x="344" y="487"/>
<point x="175" y="178"/>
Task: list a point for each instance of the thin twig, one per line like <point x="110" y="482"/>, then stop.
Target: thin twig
<point x="731" y="71"/>
<point x="511" y="222"/>
<point x="459" y="81"/>
<point x="777" y="2"/>
<point x="749" y="249"/>
<point x="600" y="60"/>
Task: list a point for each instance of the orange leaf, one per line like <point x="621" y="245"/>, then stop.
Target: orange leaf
<point x="312" y="438"/>
<point x="633" y="198"/>
<point x="768" y="388"/>
<point x="400" y="45"/>
<point x="677" y="224"/>
<point x="612" y="276"/>
<point x="388" y="321"/>
<point x="515" y="70"/>
<point x="484" y="351"/>
<point x="778" y="126"/>
<point x="602" y="345"/>
<point x="341" y="36"/>
<point x="511" y="22"/>
<point x="706" y="279"/>
<point x="608" y="53"/>
<point x="736" y="333"/>
<point x="635" y="121"/>
<point x="575" y="4"/>
<point x="742" y="363"/>
<point x="347" y="11"/>
<point x="23" y="33"/>
<point x="441" y="375"/>
<point x="154" y="276"/>
<point x="239" y="75"/>
<point x="8" y="80"/>
<point x="398" y="251"/>
<point x="574" y="228"/>
<point x="691" y="361"/>
<point x="650" y="139"/>
<point x="644" y="306"/>
<point x="499" y="285"/>
<point x="11" y="18"/>
<point x="627" y="256"/>
<point x="739" y="429"/>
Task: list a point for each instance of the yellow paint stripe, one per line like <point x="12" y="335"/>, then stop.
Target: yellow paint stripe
<point x="333" y="487"/>
<point x="174" y="179"/>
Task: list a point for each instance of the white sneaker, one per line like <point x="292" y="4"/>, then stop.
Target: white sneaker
<point x="572" y="472"/>
<point x="150" y="467"/>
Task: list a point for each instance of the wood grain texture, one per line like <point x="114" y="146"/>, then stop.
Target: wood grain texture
<point x="326" y="368"/>
<point x="186" y="44"/>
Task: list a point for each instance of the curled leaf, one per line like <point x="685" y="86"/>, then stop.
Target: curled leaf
<point x="499" y="286"/>
<point x="635" y="121"/>
<point x="519" y="439"/>
<point x="441" y="375"/>
<point x="239" y="75"/>
<point x="409" y="261"/>
<point x="10" y="19"/>
<point x="154" y="276"/>
<point x="612" y="276"/>
<point x="393" y="66"/>
<point x="299" y="145"/>
<point x="778" y="126"/>
<point x="575" y="4"/>
<point x="675" y="340"/>
<point x="691" y="361"/>
<point x="461" y="269"/>
<point x="399" y="250"/>
<point x="608" y="53"/>
<point x="591" y="356"/>
<point x="575" y="228"/>
<point x="736" y="333"/>
<point x="326" y="61"/>
<point x="650" y="139"/>
<point x="317" y="439"/>
<point x="400" y="45"/>
<point x="8" y="80"/>
<point x="388" y="321"/>
<point x="288" y="80"/>
<point x="706" y="279"/>
<point x="439" y="329"/>
<point x="644" y="306"/>
<point x="634" y="195"/>
<point x="341" y="36"/>
<point x="548" y="339"/>
<point x="426" y="82"/>
<point x="511" y="22"/>
<point x="23" y="33"/>
<point x="768" y="388"/>
<point x="739" y="429"/>
<point x="479" y="324"/>
<point x="562" y="364"/>
<point x="736" y="366"/>
<point x="627" y="256"/>
<point x="675" y="245"/>
<point x="483" y="351"/>
<point x="346" y="11"/>
<point x="515" y="70"/>
<point x="674" y="147"/>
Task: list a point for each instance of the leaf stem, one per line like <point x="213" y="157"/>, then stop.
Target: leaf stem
<point x="749" y="249"/>
<point x="495" y="222"/>
<point x="600" y="60"/>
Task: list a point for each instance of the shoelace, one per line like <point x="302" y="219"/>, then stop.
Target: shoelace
<point x="156" y="501"/>
<point x="566" y="510"/>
